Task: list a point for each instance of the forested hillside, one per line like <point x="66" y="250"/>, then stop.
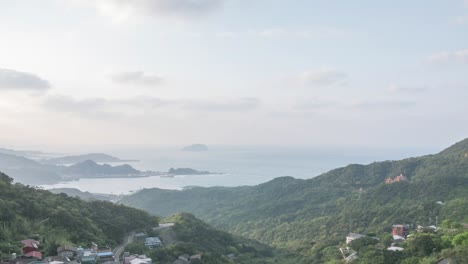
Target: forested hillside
<point x="191" y="236"/>
<point x="318" y="212"/>
<point x="56" y="219"/>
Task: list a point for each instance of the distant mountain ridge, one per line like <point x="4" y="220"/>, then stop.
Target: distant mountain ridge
<point x="32" y="172"/>
<point x="27" y="170"/>
<point x="87" y="196"/>
<point x="24" y="153"/>
<point x="96" y="157"/>
<point x="91" y="168"/>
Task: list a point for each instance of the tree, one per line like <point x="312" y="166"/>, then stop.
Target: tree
<point x="331" y="253"/>
<point x="460" y="239"/>
<point x="387" y="239"/>
<point x="362" y="242"/>
<point x="136" y="248"/>
<point x="422" y="245"/>
<point x="458" y="254"/>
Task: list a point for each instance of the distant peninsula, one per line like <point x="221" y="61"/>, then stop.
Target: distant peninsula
<point x="96" y="157"/>
<point x="196" y="147"/>
<point x="91" y="168"/>
<point x="186" y="171"/>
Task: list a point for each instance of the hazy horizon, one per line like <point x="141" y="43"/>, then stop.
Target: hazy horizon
<point x="82" y="73"/>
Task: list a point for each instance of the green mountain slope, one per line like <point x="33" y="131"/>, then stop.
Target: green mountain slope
<point x="57" y="219"/>
<point x="298" y="213"/>
<point x="191" y="236"/>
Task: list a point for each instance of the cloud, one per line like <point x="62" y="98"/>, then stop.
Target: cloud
<point x="124" y="9"/>
<point x="319" y="32"/>
<point x="70" y="104"/>
<point x="460" y="56"/>
<point x="137" y="77"/>
<point x="17" y="80"/>
<point x="367" y="105"/>
<point x="93" y="108"/>
<point x="242" y="104"/>
<point x="461" y="19"/>
<point x="321" y="77"/>
<point x="315" y="105"/>
<point x="346" y="105"/>
<point x="141" y="105"/>
<point x="226" y="34"/>
<point x="394" y="88"/>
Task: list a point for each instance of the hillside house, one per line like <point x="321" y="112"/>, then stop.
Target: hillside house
<point x="152" y="242"/>
<point x="137" y="259"/>
<point x="31" y="248"/>
<point x="34" y="254"/>
<point x="106" y="256"/>
<point x="398" y="239"/>
<point x="67" y="251"/>
<point x="393" y="248"/>
<point x="140" y="236"/>
<point x="400" y="230"/>
<point x="91" y="259"/>
<point x="352" y="237"/>
<point x="399" y="178"/>
<point x="30" y="245"/>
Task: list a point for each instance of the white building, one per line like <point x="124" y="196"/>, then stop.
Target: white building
<point x="353" y="236"/>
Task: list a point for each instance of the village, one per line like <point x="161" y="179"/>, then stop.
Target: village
<point x="95" y="254"/>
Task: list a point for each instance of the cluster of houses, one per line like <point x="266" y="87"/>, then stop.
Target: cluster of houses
<point x="399" y="178"/>
<point x="65" y="254"/>
<point x="400" y="233"/>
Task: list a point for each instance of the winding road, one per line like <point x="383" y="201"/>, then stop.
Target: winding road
<point x="118" y="251"/>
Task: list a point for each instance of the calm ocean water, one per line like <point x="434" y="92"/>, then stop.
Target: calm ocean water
<point x="242" y="165"/>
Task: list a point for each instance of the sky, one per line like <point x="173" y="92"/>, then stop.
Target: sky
<point x="302" y="72"/>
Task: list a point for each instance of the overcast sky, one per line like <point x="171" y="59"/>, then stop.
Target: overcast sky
<point x="91" y="72"/>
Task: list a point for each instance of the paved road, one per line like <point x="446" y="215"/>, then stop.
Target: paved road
<point x="118" y="251"/>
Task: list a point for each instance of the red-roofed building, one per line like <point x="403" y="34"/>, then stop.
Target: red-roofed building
<point x="400" y="230"/>
<point x="30" y="245"/>
<point x="34" y="254"/>
<point x="31" y="248"/>
<point x="400" y="178"/>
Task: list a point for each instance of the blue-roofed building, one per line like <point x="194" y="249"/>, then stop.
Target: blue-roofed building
<point x="91" y="259"/>
<point x="152" y="242"/>
<point x="106" y="256"/>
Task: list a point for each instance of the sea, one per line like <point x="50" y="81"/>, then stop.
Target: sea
<point x="233" y="165"/>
